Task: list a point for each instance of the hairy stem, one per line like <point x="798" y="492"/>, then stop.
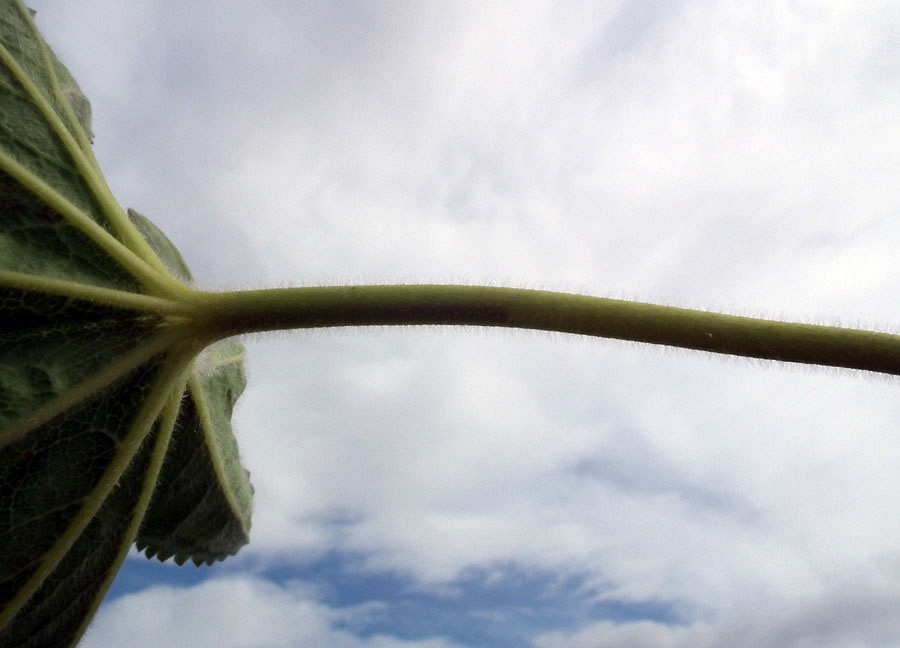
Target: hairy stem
<point x="231" y="313"/>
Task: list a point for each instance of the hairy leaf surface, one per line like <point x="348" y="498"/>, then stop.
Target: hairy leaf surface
<point x="109" y="429"/>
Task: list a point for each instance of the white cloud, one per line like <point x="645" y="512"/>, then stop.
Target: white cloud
<point x="240" y="612"/>
<point x="861" y="612"/>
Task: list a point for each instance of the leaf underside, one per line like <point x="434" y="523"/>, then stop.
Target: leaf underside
<point x="109" y="432"/>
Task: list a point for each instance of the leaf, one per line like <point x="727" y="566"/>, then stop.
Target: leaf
<point x="202" y="475"/>
<point x="114" y="422"/>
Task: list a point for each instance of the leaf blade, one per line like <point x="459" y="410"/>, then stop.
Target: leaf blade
<point x="201" y="509"/>
<point x="96" y="355"/>
<point x="90" y="545"/>
<point x="44" y="148"/>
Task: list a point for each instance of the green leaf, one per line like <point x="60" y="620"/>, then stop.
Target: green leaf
<point x="202" y="476"/>
<point x="114" y="422"/>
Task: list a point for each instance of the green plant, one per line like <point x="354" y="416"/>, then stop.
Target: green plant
<point x="108" y="355"/>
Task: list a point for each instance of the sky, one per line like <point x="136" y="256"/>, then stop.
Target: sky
<point x="438" y="487"/>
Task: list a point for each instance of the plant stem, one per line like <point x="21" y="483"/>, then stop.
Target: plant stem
<point x="232" y="313"/>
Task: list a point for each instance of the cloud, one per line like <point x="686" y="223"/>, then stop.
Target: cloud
<point x="858" y="614"/>
<point x="238" y="612"/>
